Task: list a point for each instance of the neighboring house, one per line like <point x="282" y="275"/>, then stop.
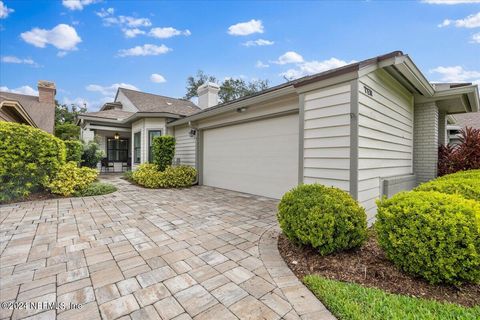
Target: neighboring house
<point x="371" y="128"/>
<point x="38" y="112"/>
<point x="459" y="122"/>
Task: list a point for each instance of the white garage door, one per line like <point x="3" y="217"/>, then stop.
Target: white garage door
<point x="258" y="157"/>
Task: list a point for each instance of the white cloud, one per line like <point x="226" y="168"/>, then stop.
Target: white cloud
<point x="311" y="67"/>
<point x="157" y="78"/>
<point x="167" y="32"/>
<point x="246" y="28"/>
<point x="21" y="90"/>
<point x="132" y="33"/>
<point x="456" y="74"/>
<point x="258" y="42"/>
<point x="289" y="57"/>
<point x="476" y="38"/>
<point x="131" y="22"/>
<point x="472" y="21"/>
<point x="4" y="10"/>
<point x="261" y="65"/>
<point x="110" y="90"/>
<point x="77" y="4"/>
<point x="105" y="12"/>
<point x="13" y="59"/>
<point x="145" y="50"/>
<point x="450" y="2"/>
<point x="63" y="37"/>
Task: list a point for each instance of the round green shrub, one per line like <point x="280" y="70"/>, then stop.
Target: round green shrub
<point x="28" y="158"/>
<point x="465" y="187"/>
<point x="149" y="175"/>
<point x="92" y="154"/>
<point x="326" y="218"/>
<point x="96" y="189"/>
<point x="74" y="150"/>
<point x="432" y="235"/>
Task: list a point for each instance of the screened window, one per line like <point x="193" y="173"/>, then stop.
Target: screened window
<point x="152" y="134"/>
<point x="117" y="150"/>
<point x="137" y="146"/>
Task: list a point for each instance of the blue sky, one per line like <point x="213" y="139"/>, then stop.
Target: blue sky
<point x="89" y="47"/>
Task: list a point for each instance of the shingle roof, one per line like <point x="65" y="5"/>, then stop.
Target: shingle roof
<point x="470" y="119"/>
<point x="43" y="114"/>
<point x="110" y="114"/>
<point x="148" y="102"/>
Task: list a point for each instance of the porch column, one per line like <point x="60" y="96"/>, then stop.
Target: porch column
<point x="442" y="128"/>
<point x="425" y="141"/>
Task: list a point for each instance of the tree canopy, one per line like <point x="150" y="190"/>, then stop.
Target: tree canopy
<point x="67" y="114"/>
<point x="230" y="89"/>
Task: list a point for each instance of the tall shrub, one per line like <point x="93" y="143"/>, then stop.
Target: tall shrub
<point x="91" y="154"/>
<point x="28" y="158"/>
<point x="74" y="150"/>
<point x="464" y="156"/>
<point x="163" y="151"/>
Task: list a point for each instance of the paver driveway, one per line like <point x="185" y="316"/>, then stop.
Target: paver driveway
<point x="200" y="253"/>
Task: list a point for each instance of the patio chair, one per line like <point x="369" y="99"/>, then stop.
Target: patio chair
<point x="106" y="165"/>
<point x="127" y="166"/>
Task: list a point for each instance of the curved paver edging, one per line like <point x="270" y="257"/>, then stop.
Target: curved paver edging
<point x="303" y="300"/>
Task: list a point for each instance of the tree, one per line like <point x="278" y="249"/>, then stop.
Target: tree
<point x="67" y="131"/>
<point x="230" y="89"/>
<point x="67" y="114"/>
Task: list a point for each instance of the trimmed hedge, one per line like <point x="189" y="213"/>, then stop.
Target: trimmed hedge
<point x="469" y="188"/>
<point x="29" y="157"/>
<point x="467" y="174"/>
<point x="96" y="189"/>
<point x="148" y="175"/>
<point x="326" y="218"/>
<point x="74" y="150"/>
<point x="163" y="151"/>
<point x="70" y="178"/>
<point x="431" y="234"/>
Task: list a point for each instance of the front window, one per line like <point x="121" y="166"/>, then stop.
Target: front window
<point x="152" y="134"/>
<point x="136" y="147"/>
<point x="117" y="150"/>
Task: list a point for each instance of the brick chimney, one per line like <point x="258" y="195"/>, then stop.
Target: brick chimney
<point x="208" y="95"/>
<point x="46" y="91"/>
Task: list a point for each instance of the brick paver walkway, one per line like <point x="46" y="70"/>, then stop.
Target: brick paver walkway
<point x="199" y="253"/>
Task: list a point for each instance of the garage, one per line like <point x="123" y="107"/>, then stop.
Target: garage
<point x="257" y="157"/>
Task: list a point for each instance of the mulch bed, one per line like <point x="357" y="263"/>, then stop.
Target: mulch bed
<point x="368" y="266"/>
<point x="36" y="196"/>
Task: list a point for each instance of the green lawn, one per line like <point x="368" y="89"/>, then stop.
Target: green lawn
<point x="349" y="301"/>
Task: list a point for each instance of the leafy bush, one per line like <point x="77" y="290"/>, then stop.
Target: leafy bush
<point x="465" y="187"/>
<point x="91" y="154"/>
<point x="467" y="174"/>
<point x="431" y="234"/>
<point x="28" y="158"/>
<point x="71" y="178"/>
<point x="163" y="151"/>
<point x="67" y="131"/>
<point x="464" y="156"/>
<point x="96" y="189"/>
<point x="74" y="150"/>
<point x="148" y="175"/>
<point x="326" y="218"/>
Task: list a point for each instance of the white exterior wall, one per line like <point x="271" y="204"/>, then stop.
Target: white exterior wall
<point x="143" y="126"/>
<point x="185" y="147"/>
<point x="385" y="135"/>
<point x="326" y="157"/>
<point x="127" y="105"/>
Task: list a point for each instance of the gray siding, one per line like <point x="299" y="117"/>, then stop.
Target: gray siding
<point x="326" y="157"/>
<point x="185" y="146"/>
<point x="385" y="135"/>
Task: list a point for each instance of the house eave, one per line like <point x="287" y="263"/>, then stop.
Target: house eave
<point x="18" y="107"/>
